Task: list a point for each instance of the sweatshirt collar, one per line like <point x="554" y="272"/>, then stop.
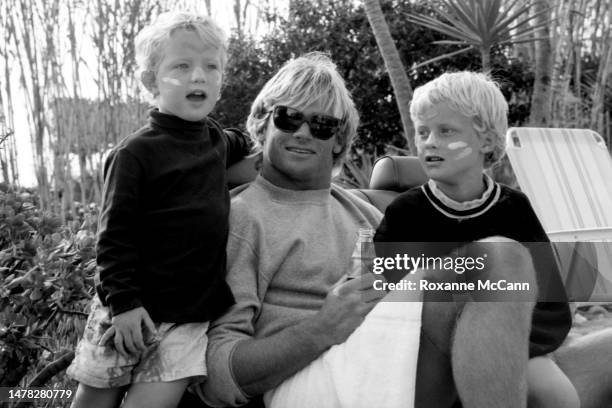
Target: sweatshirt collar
<point x="277" y="193"/>
<point x="466" y="209"/>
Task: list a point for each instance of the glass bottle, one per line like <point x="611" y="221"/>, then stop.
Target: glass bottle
<point x="363" y="254"/>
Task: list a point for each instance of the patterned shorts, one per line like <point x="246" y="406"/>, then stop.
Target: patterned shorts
<point x="178" y="351"/>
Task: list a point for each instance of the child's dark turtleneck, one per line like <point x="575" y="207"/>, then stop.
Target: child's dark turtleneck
<point x="163" y="233"/>
<point x="172" y="124"/>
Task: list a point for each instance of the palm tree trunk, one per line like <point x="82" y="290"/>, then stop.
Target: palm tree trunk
<point x="208" y="8"/>
<point x="485" y="58"/>
<point x="541" y="98"/>
<point x="393" y="63"/>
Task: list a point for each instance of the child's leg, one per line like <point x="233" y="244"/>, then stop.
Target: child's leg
<point x="167" y="368"/>
<point x="155" y="395"/>
<point x="102" y="373"/>
<point x="548" y="386"/>
<point x="91" y="397"/>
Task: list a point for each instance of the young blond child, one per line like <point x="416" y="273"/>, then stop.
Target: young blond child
<point x="163" y="228"/>
<point x="460" y="122"/>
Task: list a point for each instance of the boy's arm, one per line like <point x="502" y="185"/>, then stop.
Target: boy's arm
<point x="117" y="254"/>
<point x="243" y="160"/>
<point x="239" y="145"/>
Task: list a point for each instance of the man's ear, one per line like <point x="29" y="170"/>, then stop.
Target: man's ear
<point x="338" y="145"/>
<point x="148" y="80"/>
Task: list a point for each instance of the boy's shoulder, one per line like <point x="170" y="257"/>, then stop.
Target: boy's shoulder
<point x="213" y="124"/>
<point x="215" y="130"/>
<point x="512" y="197"/>
<point x="415" y="197"/>
<point x="144" y="143"/>
<point x="136" y="140"/>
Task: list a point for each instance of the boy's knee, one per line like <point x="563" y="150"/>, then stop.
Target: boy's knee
<point x="548" y="386"/>
<point x="92" y="397"/>
<point x="553" y="396"/>
<point x="508" y="262"/>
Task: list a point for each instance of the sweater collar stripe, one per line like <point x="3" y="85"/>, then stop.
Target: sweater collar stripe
<point x="462" y="214"/>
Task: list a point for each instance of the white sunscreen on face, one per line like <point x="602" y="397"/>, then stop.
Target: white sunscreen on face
<point x="457" y="145"/>
<point x="171" y="81"/>
<point x="460" y="145"/>
<point x="465" y="152"/>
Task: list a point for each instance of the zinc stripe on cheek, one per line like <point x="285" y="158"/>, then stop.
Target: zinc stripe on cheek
<point x="457" y="145"/>
<point x="171" y="81"/>
<point x="465" y="152"/>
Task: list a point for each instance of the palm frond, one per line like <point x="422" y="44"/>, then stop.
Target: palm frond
<point x="505" y="24"/>
<point x="441" y="27"/>
<point x="462" y="13"/>
<point x="493" y="12"/>
<point x="483" y="23"/>
<point x="450" y="42"/>
<point x="441" y="57"/>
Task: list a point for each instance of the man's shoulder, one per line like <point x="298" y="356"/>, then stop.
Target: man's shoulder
<point x="248" y="204"/>
<point x="350" y="201"/>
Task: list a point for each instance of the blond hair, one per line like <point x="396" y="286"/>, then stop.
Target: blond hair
<point x="150" y="41"/>
<point x="474" y="95"/>
<point x="301" y="82"/>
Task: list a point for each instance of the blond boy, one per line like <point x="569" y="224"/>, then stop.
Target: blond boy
<point x="460" y="122"/>
<point x="163" y="227"/>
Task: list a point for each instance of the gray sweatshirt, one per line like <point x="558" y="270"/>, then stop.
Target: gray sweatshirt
<point x="286" y="249"/>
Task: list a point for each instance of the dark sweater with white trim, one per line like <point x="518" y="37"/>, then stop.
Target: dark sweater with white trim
<point x="164" y="220"/>
<point x="418" y="215"/>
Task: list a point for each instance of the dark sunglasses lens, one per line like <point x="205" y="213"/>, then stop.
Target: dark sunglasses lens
<point x="323" y="133"/>
<point x="323" y="127"/>
<point x="287" y="119"/>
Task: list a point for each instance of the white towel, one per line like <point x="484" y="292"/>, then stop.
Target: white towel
<point x="375" y="367"/>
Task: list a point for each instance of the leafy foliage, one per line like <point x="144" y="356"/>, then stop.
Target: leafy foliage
<point x="245" y="74"/>
<point x="341" y="29"/>
<point x="46" y="270"/>
<point x="481" y="24"/>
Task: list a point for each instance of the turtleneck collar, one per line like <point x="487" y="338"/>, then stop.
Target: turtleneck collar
<point x="466" y="209"/>
<point x="176" y="126"/>
<point x="279" y="194"/>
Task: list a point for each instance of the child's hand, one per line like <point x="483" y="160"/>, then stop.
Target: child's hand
<point x="127" y="331"/>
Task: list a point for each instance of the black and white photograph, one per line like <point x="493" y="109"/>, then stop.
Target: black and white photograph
<point x="306" y="203"/>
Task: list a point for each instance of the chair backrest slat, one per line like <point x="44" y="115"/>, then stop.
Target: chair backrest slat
<point x="567" y="175"/>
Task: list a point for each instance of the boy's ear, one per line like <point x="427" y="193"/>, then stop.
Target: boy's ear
<point x="487" y="144"/>
<point x="148" y="80"/>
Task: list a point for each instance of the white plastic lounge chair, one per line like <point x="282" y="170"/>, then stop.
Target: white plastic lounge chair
<point x="567" y="175"/>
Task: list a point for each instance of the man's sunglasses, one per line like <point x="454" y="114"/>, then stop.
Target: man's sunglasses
<point x="290" y="120"/>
